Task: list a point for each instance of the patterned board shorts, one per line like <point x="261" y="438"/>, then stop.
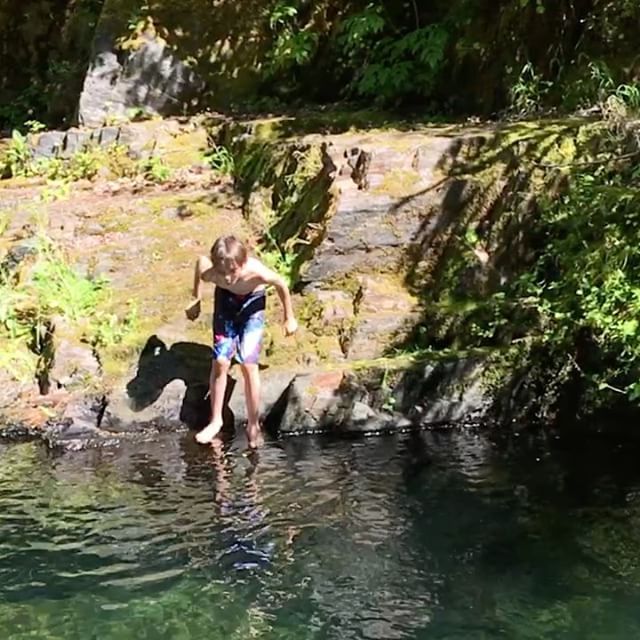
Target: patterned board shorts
<point x="238" y="325"/>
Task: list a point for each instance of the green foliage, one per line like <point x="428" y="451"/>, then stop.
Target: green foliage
<point x="221" y="160"/>
<point x="527" y="95"/>
<point x="52" y="287"/>
<point x="55" y="190"/>
<point x="155" y="169"/>
<point x="281" y="261"/>
<point x="111" y="330"/>
<point x="293" y="46"/>
<point x="18" y="158"/>
<point x="390" y="67"/>
<point x="584" y="285"/>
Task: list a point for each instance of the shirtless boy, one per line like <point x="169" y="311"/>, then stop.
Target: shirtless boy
<point x="238" y="324"/>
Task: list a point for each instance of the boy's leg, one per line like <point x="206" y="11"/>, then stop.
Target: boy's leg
<point x="251" y="377"/>
<point x="224" y="346"/>
<point x="249" y="346"/>
<point x="217" y="388"/>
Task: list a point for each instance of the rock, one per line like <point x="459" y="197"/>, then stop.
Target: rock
<point x="49" y="144"/>
<point x="108" y="135"/>
<point x="72" y="362"/>
<point x="422" y="395"/>
<point x="447" y="392"/>
<point x="168" y="390"/>
<point x="381" y="205"/>
<point x="16" y="256"/>
<point x="309" y="403"/>
<point x="13" y="391"/>
<point x="150" y="76"/>
<point x="332" y="401"/>
<point x="125" y="414"/>
<point x="273" y="382"/>
<point x="78" y="429"/>
<point x="75" y="141"/>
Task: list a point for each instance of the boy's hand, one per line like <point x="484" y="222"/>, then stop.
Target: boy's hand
<point x="193" y="309"/>
<point x="290" y="326"/>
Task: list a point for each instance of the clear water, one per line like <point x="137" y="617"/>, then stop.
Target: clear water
<point x="421" y="536"/>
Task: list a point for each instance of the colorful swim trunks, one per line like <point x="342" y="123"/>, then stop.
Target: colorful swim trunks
<point x="238" y="325"/>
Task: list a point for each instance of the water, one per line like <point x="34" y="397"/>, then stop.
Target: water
<point x="438" y="536"/>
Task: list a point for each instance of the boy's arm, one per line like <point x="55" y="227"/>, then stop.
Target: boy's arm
<point x="270" y="277"/>
<point x="202" y="272"/>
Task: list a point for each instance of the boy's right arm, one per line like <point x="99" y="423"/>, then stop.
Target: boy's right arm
<point x="202" y="272"/>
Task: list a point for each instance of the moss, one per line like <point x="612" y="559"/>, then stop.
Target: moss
<point x="186" y="149"/>
<point x="398" y="183"/>
<point x="17" y="359"/>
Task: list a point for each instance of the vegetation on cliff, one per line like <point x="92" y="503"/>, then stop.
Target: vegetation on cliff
<point x="541" y="261"/>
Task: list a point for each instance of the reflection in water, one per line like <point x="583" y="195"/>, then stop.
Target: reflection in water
<point x="435" y="535"/>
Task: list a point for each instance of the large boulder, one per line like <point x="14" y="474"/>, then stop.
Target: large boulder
<point x="378" y="399"/>
<point x="150" y="77"/>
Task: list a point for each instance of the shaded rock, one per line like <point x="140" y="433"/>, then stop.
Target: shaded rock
<point x="376" y="399"/>
<point x="78" y="427"/>
<point x="309" y="403"/>
<point x="124" y="414"/>
<point x="447" y="392"/>
<point x="169" y="390"/>
<point x="150" y="76"/>
<point x="16" y="256"/>
<point x="329" y="401"/>
<point x="69" y="362"/>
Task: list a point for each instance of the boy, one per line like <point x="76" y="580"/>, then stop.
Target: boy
<point x="238" y="325"/>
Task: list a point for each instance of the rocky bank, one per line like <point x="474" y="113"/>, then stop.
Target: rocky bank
<point x="370" y="219"/>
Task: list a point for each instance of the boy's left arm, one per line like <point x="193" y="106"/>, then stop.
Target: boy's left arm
<point x="272" y="278"/>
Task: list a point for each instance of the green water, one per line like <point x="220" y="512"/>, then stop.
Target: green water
<point x="424" y="536"/>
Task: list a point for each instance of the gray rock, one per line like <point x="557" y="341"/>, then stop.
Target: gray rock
<point x="16" y="255"/>
<point x="108" y="135"/>
<point x="150" y="77"/>
<point x="75" y="141"/>
<point x="446" y="392"/>
<point x="273" y="385"/>
<point x="78" y="430"/>
<point x="73" y="362"/>
<point x="49" y="144"/>
<point x="124" y="414"/>
<point x="309" y="403"/>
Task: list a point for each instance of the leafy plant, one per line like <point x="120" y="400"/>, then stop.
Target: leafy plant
<point x="19" y="155"/>
<point x="389" y="67"/>
<point x="55" y="190"/>
<point x="293" y="46"/>
<point x="111" y="329"/>
<point x="155" y="169"/>
<point x="527" y="94"/>
<point x="221" y="160"/>
<point x="35" y="126"/>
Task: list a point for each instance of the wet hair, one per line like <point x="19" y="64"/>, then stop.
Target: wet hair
<point x="228" y="248"/>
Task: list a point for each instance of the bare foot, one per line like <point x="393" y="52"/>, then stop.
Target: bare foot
<point x="254" y="436"/>
<point x="208" y="433"/>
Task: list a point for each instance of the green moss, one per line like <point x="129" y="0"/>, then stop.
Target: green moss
<point x="398" y="183"/>
<point x="184" y="150"/>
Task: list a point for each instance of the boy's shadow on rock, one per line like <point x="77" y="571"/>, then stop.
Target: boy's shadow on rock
<point x="186" y="361"/>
